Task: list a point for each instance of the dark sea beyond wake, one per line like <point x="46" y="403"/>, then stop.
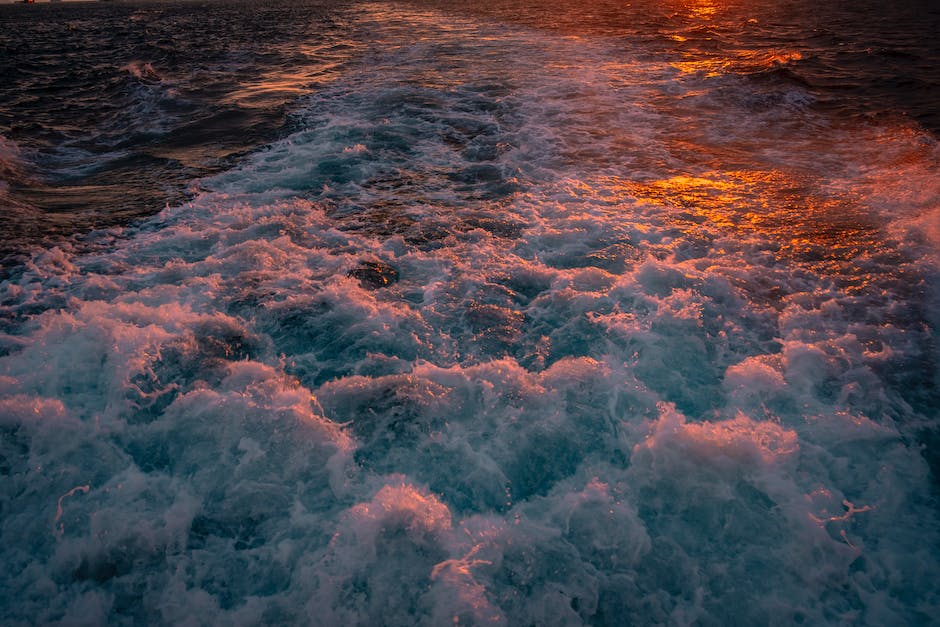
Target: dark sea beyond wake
<point x="521" y="313"/>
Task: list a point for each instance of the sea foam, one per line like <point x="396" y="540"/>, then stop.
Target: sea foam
<point x="597" y="391"/>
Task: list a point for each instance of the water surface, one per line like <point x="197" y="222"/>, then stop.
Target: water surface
<point x="511" y="315"/>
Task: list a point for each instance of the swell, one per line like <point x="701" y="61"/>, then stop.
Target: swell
<point x="120" y="107"/>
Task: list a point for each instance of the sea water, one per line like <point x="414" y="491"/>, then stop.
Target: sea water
<point x="539" y="315"/>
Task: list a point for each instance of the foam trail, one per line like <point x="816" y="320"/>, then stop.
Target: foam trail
<point x="500" y="344"/>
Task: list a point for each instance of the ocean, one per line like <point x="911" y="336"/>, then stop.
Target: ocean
<point x="432" y="312"/>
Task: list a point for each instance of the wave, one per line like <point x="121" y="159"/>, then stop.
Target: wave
<point x="13" y="166"/>
<point x="559" y="337"/>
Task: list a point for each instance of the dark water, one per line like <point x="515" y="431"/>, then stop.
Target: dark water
<point x="418" y="313"/>
<point x="860" y="58"/>
<point x="114" y="109"/>
<point x="109" y="111"/>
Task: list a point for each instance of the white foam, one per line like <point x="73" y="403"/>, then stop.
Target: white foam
<point x="594" y="390"/>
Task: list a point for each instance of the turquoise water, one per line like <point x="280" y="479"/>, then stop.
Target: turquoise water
<point x="517" y="319"/>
